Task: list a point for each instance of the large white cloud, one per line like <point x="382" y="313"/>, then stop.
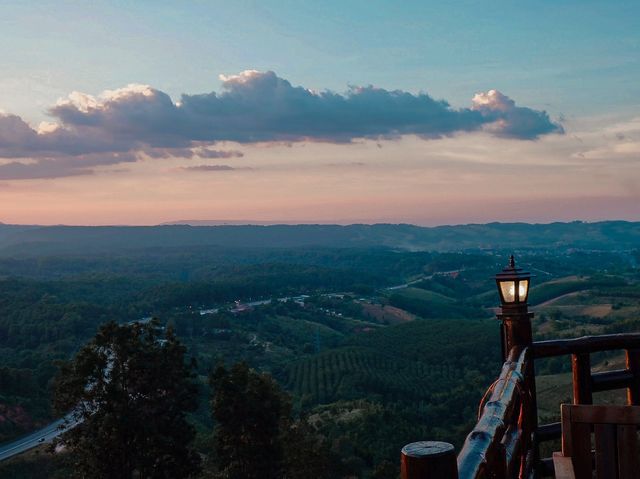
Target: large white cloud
<point x="510" y="121"/>
<point x="254" y="106"/>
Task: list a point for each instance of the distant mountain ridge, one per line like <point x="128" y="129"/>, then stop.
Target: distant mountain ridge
<point x="46" y="240"/>
<point x="236" y="223"/>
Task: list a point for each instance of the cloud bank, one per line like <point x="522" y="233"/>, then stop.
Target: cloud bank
<point x="212" y="168"/>
<point x="129" y="123"/>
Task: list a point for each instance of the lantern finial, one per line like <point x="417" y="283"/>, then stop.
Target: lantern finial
<point x="512" y="262"/>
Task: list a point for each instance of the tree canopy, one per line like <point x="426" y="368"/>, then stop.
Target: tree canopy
<point x="132" y="388"/>
<point x="249" y="409"/>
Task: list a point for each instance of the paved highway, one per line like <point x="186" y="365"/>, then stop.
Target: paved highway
<point x="43" y="436"/>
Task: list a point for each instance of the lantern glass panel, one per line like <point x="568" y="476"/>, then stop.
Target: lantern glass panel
<point x="508" y="290"/>
<point x="523" y="290"/>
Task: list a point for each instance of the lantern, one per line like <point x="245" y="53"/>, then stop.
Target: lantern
<point x="513" y="285"/>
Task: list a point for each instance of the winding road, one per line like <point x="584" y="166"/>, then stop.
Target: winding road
<point x="42" y="436"/>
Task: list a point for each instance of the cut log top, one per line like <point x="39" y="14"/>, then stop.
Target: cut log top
<point x="427" y="448"/>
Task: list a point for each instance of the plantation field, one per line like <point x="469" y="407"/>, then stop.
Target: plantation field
<point x="466" y="343"/>
<point x="598" y="311"/>
<point x="430" y="304"/>
<point x="351" y="373"/>
<point x="387" y="314"/>
<point x="568" y="299"/>
<point x="413" y="361"/>
<point x="626" y="313"/>
<point x="424" y="295"/>
<point x="556" y="389"/>
<point x="552" y="290"/>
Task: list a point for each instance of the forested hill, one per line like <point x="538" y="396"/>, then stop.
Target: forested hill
<point x="608" y="235"/>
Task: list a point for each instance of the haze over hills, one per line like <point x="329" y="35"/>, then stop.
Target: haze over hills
<point x="43" y="240"/>
<point x="240" y="223"/>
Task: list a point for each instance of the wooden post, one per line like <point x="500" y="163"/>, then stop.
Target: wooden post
<point x="517" y="329"/>
<point x="517" y="332"/>
<point x="633" y="365"/>
<point x="581" y="367"/>
<point x="428" y="460"/>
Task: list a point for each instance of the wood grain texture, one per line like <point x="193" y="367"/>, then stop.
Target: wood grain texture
<point x="581" y="447"/>
<point x="585" y="344"/>
<point x="628" y="461"/>
<point x="562" y="466"/>
<point x="633" y="365"/>
<point x="581" y="368"/>
<point x="606" y="457"/>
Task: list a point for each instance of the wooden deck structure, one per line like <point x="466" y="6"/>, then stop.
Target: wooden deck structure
<point x="616" y="442"/>
<point x="504" y="444"/>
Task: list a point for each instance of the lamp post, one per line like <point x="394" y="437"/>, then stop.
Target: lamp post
<point x="437" y="460"/>
<point x="513" y="285"/>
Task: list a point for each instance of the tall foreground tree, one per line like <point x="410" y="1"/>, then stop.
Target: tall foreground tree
<point x="250" y="412"/>
<point x="132" y="388"/>
<point x="255" y="435"/>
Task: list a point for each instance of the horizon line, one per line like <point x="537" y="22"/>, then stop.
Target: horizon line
<point x="218" y="223"/>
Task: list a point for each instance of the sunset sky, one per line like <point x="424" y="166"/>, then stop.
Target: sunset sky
<point x="333" y="112"/>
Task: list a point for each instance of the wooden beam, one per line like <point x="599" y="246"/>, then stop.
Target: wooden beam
<point x="603" y="414"/>
<point x="483" y="449"/>
<point x="549" y="432"/>
<point x="628" y="463"/>
<point x="563" y="468"/>
<point x="581" y="367"/>
<point x="608" y="380"/>
<point x="633" y="365"/>
<point x="585" y="344"/>
<point x="606" y="463"/>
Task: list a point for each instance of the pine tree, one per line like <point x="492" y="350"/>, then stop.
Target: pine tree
<point x="131" y="388"/>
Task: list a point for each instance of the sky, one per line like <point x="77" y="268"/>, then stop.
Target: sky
<point x="331" y="112"/>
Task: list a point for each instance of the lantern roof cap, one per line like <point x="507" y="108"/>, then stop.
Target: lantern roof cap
<point x="512" y="272"/>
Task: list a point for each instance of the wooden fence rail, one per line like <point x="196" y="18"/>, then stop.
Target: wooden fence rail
<point x="504" y="442"/>
<point x="498" y="447"/>
<point x="585" y="344"/>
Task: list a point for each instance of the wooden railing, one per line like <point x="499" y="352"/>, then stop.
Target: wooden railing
<point x="504" y="443"/>
<point x="585" y="383"/>
<point x="500" y="445"/>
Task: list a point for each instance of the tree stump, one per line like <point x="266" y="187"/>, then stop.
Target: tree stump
<point x="428" y="460"/>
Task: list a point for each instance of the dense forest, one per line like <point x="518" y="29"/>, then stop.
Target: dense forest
<point x="373" y="345"/>
<point x="607" y="235"/>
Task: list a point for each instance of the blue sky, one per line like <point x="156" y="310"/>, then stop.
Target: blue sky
<point x="577" y="60"/>
<point x="571" y="58"/>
